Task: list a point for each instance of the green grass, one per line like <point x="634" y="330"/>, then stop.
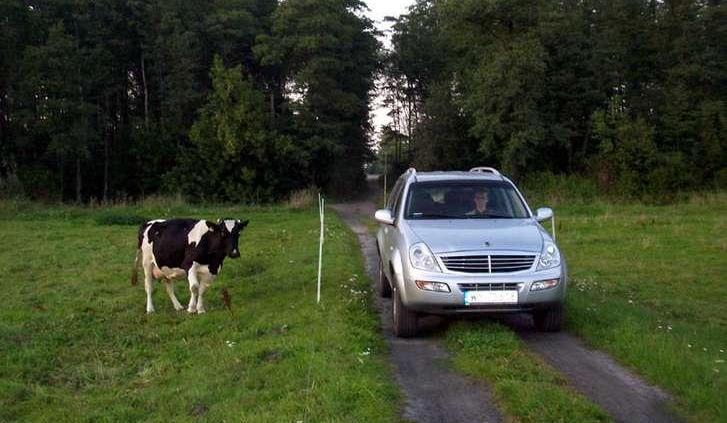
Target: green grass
<point x="649" y="285"/>
<point x="78" y="346"/>
<point x="526" y="388"/>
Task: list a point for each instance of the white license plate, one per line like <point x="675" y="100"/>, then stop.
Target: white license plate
<point x="490" y="297"/>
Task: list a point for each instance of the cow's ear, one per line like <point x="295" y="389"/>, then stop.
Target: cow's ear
<point x="210" y="225"/>
<point x="244" y="223"/>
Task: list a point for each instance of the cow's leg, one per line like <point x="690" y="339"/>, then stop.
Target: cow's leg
<point x="148" y="280"/>
<point x="205" y="278"/>
<point x="193" y="288"/>
<point x="200" y="303"/>
<point x="169" y="284"/>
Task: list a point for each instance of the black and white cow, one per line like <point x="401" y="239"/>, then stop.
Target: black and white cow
<point x="172" y="249"/>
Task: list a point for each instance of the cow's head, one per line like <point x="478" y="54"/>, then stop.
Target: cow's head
<point x="230" y="229"/>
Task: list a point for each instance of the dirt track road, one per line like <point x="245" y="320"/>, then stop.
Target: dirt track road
<point x="435" y="393"/>
<point x="432" y="391"/>
<point x="622" y="394"/>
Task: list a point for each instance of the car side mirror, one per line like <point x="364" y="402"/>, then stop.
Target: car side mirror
<point x="544" y="213"/>
<point x="384" y="216"/>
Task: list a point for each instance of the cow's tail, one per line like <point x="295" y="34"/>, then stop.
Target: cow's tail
<point x="135" y="270"/>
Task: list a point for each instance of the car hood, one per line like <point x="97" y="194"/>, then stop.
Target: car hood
<point x="444" y="236"/>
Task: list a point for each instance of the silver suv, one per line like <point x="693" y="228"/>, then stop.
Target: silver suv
<point x="467" y="242"/>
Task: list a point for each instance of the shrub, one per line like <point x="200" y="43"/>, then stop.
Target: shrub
<point x="113" y="217"/>
<point x="720" y="178"/>
<point x="11" y="187"/>
<point x="551" y="189"/>
<point x="303" y="198"/>
<point x="670" y="176"/>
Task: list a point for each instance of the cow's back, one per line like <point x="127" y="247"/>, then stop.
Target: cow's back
<point x="169" y="240"/>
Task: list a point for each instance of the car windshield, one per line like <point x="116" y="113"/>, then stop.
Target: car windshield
<point x="464" y="200"/>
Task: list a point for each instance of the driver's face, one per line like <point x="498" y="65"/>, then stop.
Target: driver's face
<point x="481" y="200"/>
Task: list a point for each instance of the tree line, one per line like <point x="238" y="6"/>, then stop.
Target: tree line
<point x="632" y="93"/>
<point x="232" y="100"/>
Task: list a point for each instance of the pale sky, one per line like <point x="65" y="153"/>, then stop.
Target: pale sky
<point x="378" y="10"/>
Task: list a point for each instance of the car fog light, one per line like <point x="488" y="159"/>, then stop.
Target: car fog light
<point x="541" y="285"/>
<point x="432" y="286"/>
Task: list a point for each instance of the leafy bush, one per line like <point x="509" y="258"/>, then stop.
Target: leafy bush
<point x="114" y="217"/>
<point x="670" y="176"/>
<point x="38" y="182"/>
<point x="11" y="187"/>
<point x="720" y="178"/>
<point x="548" y="188"/>
<point x="235" y="154"/>
<point x="303" y="198"/>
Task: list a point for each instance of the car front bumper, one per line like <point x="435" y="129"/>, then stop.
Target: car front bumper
<point x="453" y="302"/>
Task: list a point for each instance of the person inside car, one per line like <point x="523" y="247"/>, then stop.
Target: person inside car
<point x="480" y="199"/>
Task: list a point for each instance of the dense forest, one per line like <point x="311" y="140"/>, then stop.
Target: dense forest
<point x="629" y="93"/>
<point x="248" y="100"/>
<point x="235" y="100"/>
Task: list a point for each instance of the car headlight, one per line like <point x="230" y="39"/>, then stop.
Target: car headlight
<point x="422" y="258"/>
<point x="549" y="257"/>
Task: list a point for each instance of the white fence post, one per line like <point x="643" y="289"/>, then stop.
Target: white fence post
<point x="321" y="213"/>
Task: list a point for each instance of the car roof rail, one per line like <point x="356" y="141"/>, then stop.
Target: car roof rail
<point x="485" y="169"/>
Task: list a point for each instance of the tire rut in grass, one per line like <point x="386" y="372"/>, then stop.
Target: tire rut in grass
<point x="432" y="391"/>
<point x="623" y="395"/>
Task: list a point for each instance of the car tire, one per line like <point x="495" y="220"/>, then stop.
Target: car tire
<point x="405" y="320"/>
<point x="382" y="286"/>
<point x="550" y="320"/>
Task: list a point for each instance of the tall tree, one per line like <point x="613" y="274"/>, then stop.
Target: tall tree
<point x="15" y="34"/>
<point x="328" y="52"/>
<point x="235" y="154"/>
<point x="55" y="94"/>
<point x="538" y="85"/>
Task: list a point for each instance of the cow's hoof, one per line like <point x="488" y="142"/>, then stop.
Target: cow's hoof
<point x="191" y="310"/>
<point x="150" y="311"/>
<point x="201" y="311"/>
<point x="178" y="308"/>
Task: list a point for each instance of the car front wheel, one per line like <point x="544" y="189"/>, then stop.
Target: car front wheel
<point x="405" y="320"/>
<point x="550" y="320"/>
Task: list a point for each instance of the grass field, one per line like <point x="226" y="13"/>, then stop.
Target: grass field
<point x="649" y="285"/>
<point x="527" y="389"/>
<point x="76" y="344"/>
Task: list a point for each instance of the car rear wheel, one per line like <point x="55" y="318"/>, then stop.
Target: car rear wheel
<point x="550" y="320"/>
<point x="382" y="286"/>
<point x="405" y="320"/>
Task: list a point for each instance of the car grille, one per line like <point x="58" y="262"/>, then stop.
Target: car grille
<point x="488" y="263"/>
<point x="487" y="286"/>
